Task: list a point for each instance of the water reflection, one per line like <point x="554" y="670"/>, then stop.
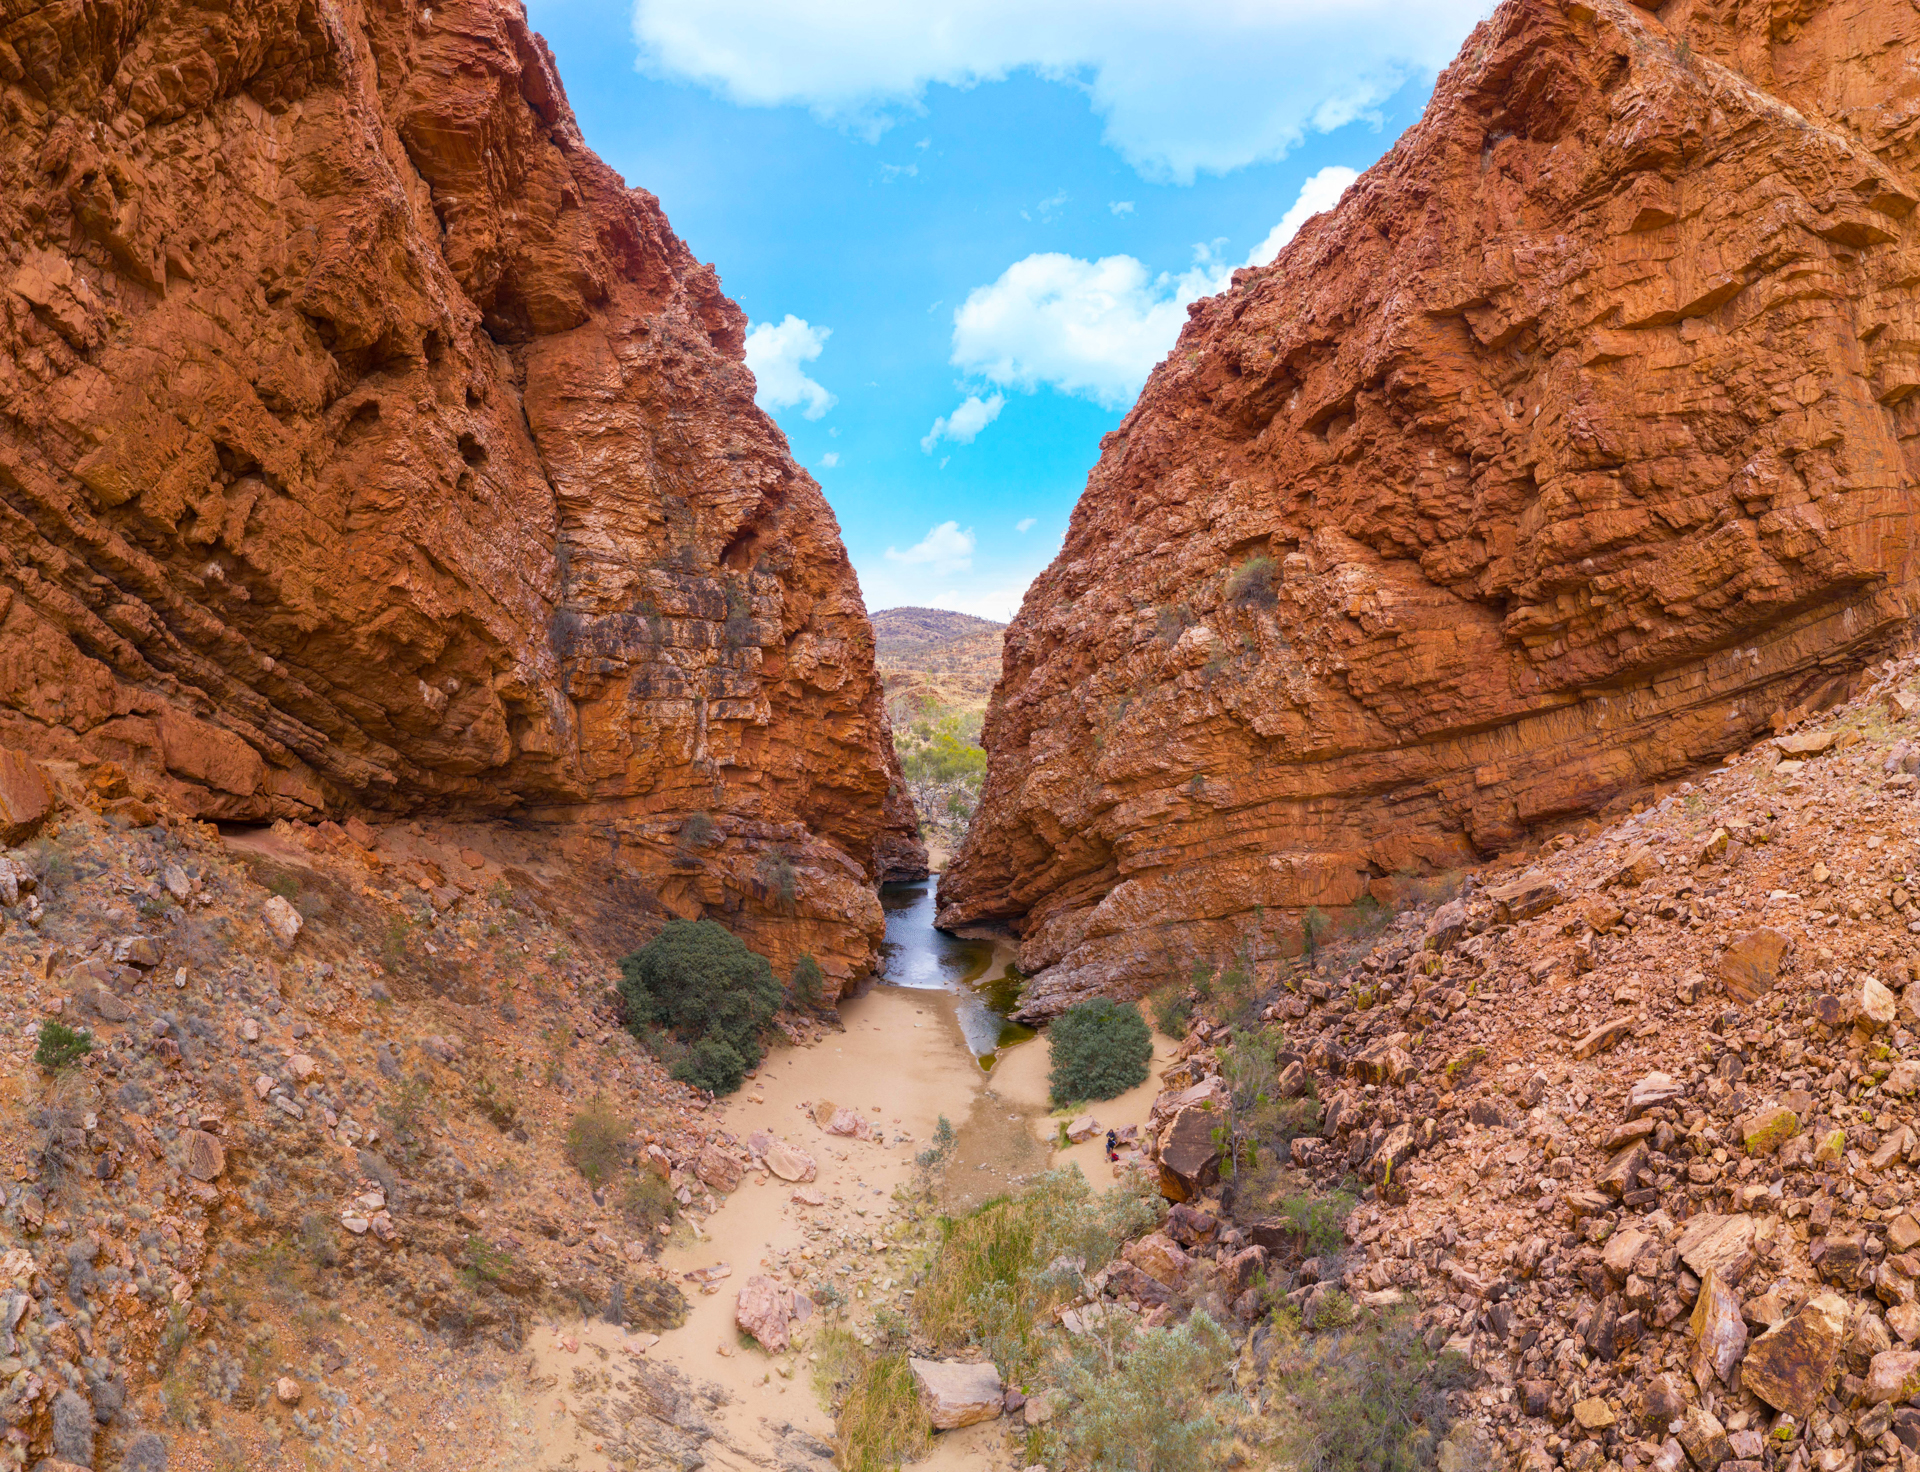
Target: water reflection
<point x="917" y="955"/>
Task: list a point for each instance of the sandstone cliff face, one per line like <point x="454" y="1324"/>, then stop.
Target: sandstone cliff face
<point x="366" y="444"/>
<point x="1577" y="442"/>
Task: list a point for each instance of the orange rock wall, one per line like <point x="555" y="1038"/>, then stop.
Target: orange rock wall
<point x="366" y="444"/>
<point x="1574" y="444"/>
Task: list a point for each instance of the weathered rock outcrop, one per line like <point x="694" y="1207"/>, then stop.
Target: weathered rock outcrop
<point x="366" y="444"/>
<point x="1577" y="442"/>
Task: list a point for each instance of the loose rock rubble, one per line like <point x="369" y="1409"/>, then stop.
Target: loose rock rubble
<point x="1636" y="1126"/>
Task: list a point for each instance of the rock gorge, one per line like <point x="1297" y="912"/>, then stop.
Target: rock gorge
<point x="368" y="447"/>
<point x="1574" y="447"/>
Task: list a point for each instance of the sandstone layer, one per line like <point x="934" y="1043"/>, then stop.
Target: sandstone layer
<point x="1574" y="445"/>
<point x="367" y="445"/>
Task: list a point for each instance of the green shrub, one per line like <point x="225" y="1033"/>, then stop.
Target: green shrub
<point x="1371" y="1396"/>
<point x="597" y="1141"/>
<point x="1172" y="1009"/>
<point x="712" y="1065"/>
<point x="1158" y="1409"/>
<point x="647" y="1200"/>
<point x="809" y="985"/>
<point x="1100" y="1049"/>
<point x="992" y="1278"/>
<point x="61" y="1046"/>
<point x="698" y="980"/>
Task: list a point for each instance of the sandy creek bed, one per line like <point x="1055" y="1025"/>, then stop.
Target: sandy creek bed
<point x="903" y="1060"/>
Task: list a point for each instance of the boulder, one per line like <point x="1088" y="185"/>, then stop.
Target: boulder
<point x="1751" y="962"/>
<point x="718" y="1170"/>
<point x="1766" y="1130"/>
<point x="206" y="1157"/>
<point x="1604" y="1037"/>
<point x="1718" y="1332"/>
<point x="283" y="922"/>
<point x="1788" y="1366"/>
<point x="850" y="1124"/>
<point x="957" y="1393"/>
<point x="764" y="1309"/>
<point x="1521" y="899"/>
<point x="1878" y="1005"/>
<point x="1652" y="1092"/>
<point x="104" y="1004"/>
<point x="790" y="1162"/>
<point x="1894" y="1374"/>
<point x="1188" y="1154"/>
<point x="1722" y="1244"/>
<point x="1160" y="1258"/>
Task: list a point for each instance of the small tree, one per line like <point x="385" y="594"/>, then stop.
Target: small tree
<point x="698" y="980"/>
<point x="597" y="1141"/>
<point x="61" y="1046"/>
<point x="1100" y="1049"/>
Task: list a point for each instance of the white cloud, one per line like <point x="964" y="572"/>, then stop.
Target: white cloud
<point x="1121" y="206"/>
<point x="1095" y="329"/>
<point x="1090" y="328"/>
<point x="830" y="459"/>
<point x="775" y="355"/>
<point x="1179" y="91"/>
<point x="944" y="549"/>
<point x="965" y="423"/>
<point x="1321" y="192"/>
<point x="1023" y="525"/>
<point x="890" y="172"/>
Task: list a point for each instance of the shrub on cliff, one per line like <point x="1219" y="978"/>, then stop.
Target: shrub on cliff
<point x="1100" y="1050"/>
<point x="699" y="981"/>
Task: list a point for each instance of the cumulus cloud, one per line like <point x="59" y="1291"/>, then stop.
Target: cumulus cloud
<point x="944" y="549"/>
<point x="1024" y="525"/>
<point x="1090" y="328"/>
<point x="1121" y="206"/>
<point x="1095" y="329"/>
<point x="775" y="354"/>
<point x="830" y="459"/>
<point x="965" y="422"/>
<point x="1321" y="192"/>
<point x="1179" y="91"/>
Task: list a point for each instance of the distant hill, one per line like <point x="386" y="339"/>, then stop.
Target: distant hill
<point x="907" y="631"/>
<point x="933" y="660"/>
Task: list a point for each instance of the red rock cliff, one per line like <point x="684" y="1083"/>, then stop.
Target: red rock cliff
<point x="1575" y="443"/>
<point x="366" y="444"/>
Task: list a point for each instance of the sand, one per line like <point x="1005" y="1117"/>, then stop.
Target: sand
<point x="902" y="1062"/>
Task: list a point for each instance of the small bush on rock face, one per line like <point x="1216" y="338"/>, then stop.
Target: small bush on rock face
<point x="699" y="981"/>
<point x="809" y="984"/>
<point x="1100" y="1050"/>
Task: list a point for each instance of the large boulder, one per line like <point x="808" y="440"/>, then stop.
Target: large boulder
<point x="957" y="1393"/>
<point x="764" y="1309"/>
<point x="790" y="1162"/>
<point x="717" y="1169"/>
<point x="1189" y="1154"/>
<point x="1789" y="1365"/>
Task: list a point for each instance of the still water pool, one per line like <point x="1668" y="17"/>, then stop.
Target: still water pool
<point x="917" y="955"/>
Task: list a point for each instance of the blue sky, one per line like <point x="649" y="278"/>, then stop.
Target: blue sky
<point x="964" y="230"/>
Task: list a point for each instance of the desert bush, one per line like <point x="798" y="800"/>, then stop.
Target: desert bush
<point x="646" y="1200"/>
<point x="494" y="1103"/>
<point x="61" y="1046"/>
<point x="1172" y="1009"/>
<point x="596" y="1141"/>
<point x="1000" y="1269"/>
<point x="1251" y="584"/>
<point x="1369" y="1397"/>
<point x="1099" y="1049"/>
<point x="808" y="988"/>
<point x="1158" y="1408"/>
<point x="699" y="980"/>
<point x="409" y="1120"/>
